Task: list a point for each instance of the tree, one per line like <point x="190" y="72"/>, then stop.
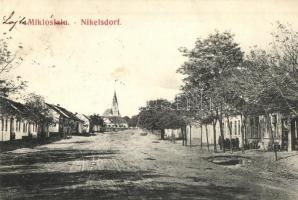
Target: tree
<point x="133" y="121"/>
<point x="192" y="107"/>
<point x="159" y="115"/>
<point x="40" y="112"/>
<point x="96" y="120"/>
<point x="8" y="60"/>
<point x="209" y="65"/>
<point x="267" y="81"/>
<point x="283" y="64"/>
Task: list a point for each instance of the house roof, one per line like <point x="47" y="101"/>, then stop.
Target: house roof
<point x="82" y="117"/>
<point x="87" y="117"/>
<point x="8" y="106"/>
<point x="65" y="113"/>
<point x="116" y="120"/>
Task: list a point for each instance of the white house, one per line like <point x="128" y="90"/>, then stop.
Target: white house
<point x="65" y="122"/>
<point x="256" y="131"/>
<point x="114" y="122"/>
<point x="15" y="122"/>
<point x="85" y="124"/>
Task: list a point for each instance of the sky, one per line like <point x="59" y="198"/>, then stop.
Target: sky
<point x="76" y="66"/>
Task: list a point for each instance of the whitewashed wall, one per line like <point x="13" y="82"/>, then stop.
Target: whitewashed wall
<point x="196" y="131"/>
<point x="175" y="132"/>
<point x="5" y="133"/>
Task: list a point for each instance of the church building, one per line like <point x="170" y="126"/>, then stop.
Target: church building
<point x="112" y="117"/>
<point x="114" y="111"/>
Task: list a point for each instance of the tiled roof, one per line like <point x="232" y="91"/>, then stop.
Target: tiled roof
<point x="116" y="120"/>
<point x="65" y="113"/>
<point x="8" y="106"/>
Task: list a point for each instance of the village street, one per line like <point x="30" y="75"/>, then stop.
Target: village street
<point x="129" y="165"/>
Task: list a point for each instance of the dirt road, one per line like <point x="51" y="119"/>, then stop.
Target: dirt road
<point x="126" y="165"/>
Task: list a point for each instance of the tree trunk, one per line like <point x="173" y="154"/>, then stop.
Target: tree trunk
<point x="245" y="132"/>
<point x="214" y="134"/>
<point x="243" y="118"/>
<point x="201" y="137"/>
<point x="219" y="117"/>
<point x="290" y="134"/>
<point x="47" y="130"/>
<point x="162" y="134"/>
<point x="182" y="134"/>
<point x="207" y="137"/>
<point x="184" y="129"/>
<point x="230" y="132"/>
<point x="42" y="136"/>
<point x="189" y="135"/>
<point x="271" y="134"/>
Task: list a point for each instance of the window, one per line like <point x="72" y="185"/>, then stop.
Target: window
<point x="231" y="127"/>
<point x="274" y="123"/>
<point x="29" y="127"/>
<point x="6" y="124"/>
<point x="251" y="127"/>
<point x="262" y="128"/>
<point x="18" y="125"/>
<point x="239" y="128"/>
<point x="2" y="124"/>
<point x="11" y="124"/>
<point x="223" y="125"/>
<point x="257" y="127"/>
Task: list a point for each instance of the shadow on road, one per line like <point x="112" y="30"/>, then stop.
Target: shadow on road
<point x="59" y="185"/>
<point x="53" y="156"/>
<point x="29" y="143"/>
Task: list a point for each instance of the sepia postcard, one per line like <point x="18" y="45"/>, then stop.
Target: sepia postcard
<point x="149" y="99"/>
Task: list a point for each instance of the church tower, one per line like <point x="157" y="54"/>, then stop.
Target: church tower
<point x="115" y="108"/>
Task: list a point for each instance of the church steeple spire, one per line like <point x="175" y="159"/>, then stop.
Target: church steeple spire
<point x="115" y="108"/>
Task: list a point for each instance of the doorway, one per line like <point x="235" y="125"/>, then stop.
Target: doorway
<point x="284" y="134"/>
<point x="294" y="133"/>
<point x="12" y="132"/>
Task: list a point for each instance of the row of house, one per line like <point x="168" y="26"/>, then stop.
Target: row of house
<point x="256" y="132"/>
<point x="17" y="121"/>
<point x="64" y="122"/>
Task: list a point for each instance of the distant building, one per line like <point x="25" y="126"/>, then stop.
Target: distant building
<point x="65" y="122"/>
<point x="112" y="117"/>
<point x="114" y="111"/>
<point x="86" y="123"/>
<point x="115" y="122"/>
